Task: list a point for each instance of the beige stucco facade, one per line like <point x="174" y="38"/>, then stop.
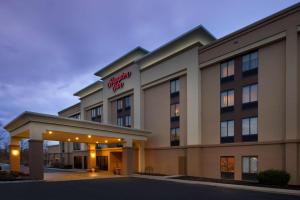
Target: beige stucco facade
<point x="144" y="80"/>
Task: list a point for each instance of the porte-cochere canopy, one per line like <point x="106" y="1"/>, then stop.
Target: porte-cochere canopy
<point x="38" y="127"/>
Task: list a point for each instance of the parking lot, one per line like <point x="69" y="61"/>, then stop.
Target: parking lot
<point x="127" y="188"/>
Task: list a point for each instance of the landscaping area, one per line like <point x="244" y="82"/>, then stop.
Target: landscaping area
<point x="13" y="176"/>
<point x="268" y="178"/>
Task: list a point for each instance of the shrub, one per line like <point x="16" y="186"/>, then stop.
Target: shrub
<point x="274" y="177"/>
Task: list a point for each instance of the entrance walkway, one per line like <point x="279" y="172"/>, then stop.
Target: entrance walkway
<point x="70" y="175"/>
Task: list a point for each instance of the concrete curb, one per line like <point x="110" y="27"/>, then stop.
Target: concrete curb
<point x="230" y="186"/>
<point x="25" y="181"/>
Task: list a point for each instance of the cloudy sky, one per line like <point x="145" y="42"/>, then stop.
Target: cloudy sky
<point x="49" y="49"/>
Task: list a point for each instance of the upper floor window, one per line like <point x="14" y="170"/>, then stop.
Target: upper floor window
<point x="76" y="116"/>
<point x="174" y="86"/>
<point x="249" y="129"/>
<point x="227" y="70"/>
<point x="120" y="121"/>
<point x="250" y="95"/>
<point x="249" y="126"/>
<point x="128" y="121"/>
<point x="175" y="137"/>
<point x="127" y="102"/>
<point x="227" y="131"/>
<point x="120" y="104"/>
<point x="250" y="61"/>
<point x="96" y="113"/>
<point x="175" y="110"/>
<point x="227" y="100"/>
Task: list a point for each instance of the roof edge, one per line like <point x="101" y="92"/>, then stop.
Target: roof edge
<point x="67" y="108"/>
<point x="185" y="34"/>
<point x="264" y="20"/>
<point x="97" y="85"/>
<point x="138" y="48"/>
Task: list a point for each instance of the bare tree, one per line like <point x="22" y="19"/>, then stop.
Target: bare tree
<point x="3" y="137"/>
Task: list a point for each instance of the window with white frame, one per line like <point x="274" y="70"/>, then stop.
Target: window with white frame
<point x="249" y="126"/>
<point x="250" y="61"/>
<point x="249" y="164"/>
<point x="174" y="86"/>
<point x="250" y="93"/>
<point x="120" y="104"/>
<point x="96" y="113"/>
<point x="227" y="98"/>
<point x="128" y="121"/>
<point x="227" y="128"/>
<point x="127" y="102"/>
<point x="120" y="121"/>
<point x="227" y="69"/>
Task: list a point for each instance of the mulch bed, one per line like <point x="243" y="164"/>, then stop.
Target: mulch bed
<point x="13" y="176"/>
<point x="235" y="182"/>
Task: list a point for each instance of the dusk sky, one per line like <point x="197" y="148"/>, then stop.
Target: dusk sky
<point x="51" y="49"/>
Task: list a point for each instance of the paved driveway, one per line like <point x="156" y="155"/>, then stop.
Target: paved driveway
<point x="126" y="188"/>
<point x="68" y="175"/>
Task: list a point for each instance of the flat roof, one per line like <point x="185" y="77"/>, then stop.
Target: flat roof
<point x="28" y="117"/>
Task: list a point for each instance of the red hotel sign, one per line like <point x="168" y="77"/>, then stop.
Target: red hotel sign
<point x="116" y="82"/>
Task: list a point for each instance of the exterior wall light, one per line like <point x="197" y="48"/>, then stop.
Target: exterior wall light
<point x="106" y="141"/>
<point x="15" y="152"/>
<point x="89" y="136"/>
<point x="50" y="132"/>
<point x="69" y="140"/>
<point x="93" y="155"/>
<point x="77" y="138"/>
<point x="119" y="140"/>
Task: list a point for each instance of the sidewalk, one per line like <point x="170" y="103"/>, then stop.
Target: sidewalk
<point x="231" y="186"/>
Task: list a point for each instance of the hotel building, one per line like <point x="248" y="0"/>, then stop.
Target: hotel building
<point x="196" y="106"/>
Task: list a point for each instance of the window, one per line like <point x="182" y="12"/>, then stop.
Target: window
<point x="93" y="112"/>
<point x="127" y="102"/>
<point x="99" y="111"/>
<point x="76" y="146"/>
<point x="120" y="121"/>
<point x="120" y="104"/>
<point x="249" y="164"/>
<point x="250" y="126"/>
<point x="175" y="110"/>
<point x="249" y="129"/>
<point x="96" y="113"/>
<point x="174" y="86"/>
<point x="76" y="116"/>
<point x="250" y="94"/>
<point x="250" y="61"/>
<point x="175" y="136"/>
<point x="227" y="100"/>
<point x="227" y="167"/>
<point x="128" y="121"/>
<point x="227" y="131"/>
<point x="227" y="69"/>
